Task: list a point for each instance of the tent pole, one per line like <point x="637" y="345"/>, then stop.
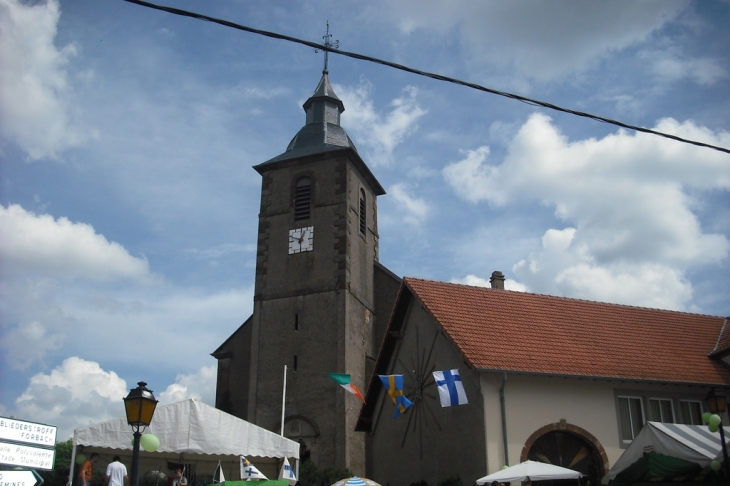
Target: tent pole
<point x="71" y="466"/>
<point x="283" y="403"/>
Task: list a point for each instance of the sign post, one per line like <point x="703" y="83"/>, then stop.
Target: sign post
<point x="18" y="478"/>
<point x="39" y="453"/>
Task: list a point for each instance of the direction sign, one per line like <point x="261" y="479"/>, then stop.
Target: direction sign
<point x="17" y="478"/>
<point x="20" y="455"/>
<point x="27" y="432"/>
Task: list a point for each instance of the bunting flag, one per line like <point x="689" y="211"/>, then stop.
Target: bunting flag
<point x="451" y="389"/>
<point x="287" y="473"/>
<point x="218" y="474"/>
<point x="394" y="386"/>
<point x="249" y="471"/>
<point x="344" y="381"/>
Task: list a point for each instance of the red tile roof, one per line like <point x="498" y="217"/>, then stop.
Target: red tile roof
<point x="516" y="331"/>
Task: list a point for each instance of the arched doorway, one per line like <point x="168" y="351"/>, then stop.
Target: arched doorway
<point x="568" y="446"/>
<point x="303" y="430"/>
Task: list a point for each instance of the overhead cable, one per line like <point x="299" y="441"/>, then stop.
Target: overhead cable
<point x="439" y="77"/>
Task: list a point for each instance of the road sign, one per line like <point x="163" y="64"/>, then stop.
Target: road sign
<point x="27" y="432"/>
<point x="18" y="478"/>
<point x="24" y="456"/>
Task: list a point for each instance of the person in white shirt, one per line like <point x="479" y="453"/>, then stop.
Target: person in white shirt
<point x="116" y="473"/>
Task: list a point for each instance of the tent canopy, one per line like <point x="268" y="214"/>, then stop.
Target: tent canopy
<point x="691" y="443"/>
<point x="530" y="470"/>
<point x="192" y="427"/>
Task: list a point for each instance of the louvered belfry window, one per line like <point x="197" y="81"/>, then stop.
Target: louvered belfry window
<point x="363" y="213"/>
<point x="303" y="199"/>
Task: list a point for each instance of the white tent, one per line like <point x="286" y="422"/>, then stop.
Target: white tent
<point x="190" y="432"/>
<point x="530" y="471"/>
<point x="693" y="443"/>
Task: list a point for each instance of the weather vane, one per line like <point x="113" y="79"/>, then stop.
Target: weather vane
<point x="328" y="44"/>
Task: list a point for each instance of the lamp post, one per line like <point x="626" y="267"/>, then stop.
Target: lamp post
<point x="140" y="406"/>
<point x="716" y="404"/>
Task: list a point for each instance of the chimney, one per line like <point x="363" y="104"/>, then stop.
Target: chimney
<point x="497" y="280"/>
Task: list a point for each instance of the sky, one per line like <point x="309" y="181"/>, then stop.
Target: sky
<point x="129" y="206"/>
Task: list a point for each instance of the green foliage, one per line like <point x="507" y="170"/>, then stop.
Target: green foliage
<point x="310" y="475"/>
<point x="451" y="481"/>
<point x="58" y="476"/>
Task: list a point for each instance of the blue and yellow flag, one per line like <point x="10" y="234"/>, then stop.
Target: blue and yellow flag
<point x="394" y="386"/>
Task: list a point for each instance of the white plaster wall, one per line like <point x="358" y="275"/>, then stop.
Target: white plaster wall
<point x="532" y="402"/>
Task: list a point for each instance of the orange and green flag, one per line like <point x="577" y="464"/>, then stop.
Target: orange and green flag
<point x="344" y="381"/>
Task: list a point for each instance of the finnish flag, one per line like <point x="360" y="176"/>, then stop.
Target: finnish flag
<point x="287" y="473"/>
<point x="451" y="389"/>
<point x="249" y="471"/>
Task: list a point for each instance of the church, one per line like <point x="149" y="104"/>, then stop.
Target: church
<point x="552" y="379"/>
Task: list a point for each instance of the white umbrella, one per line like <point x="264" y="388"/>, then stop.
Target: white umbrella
<point x="530" y="471"/>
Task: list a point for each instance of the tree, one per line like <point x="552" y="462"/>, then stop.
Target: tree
<point x="58" y="476"/>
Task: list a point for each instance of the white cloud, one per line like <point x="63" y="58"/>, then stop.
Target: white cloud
<point x="60" y="248"/>
<point x="381" y="133"/>
<point x="34" y="86"/>
<point x="543" y="40"/>
<point x="469" y="174"/>
<point x="199" y="385"/>
<point x="78" y="393"/>
<point x="672" y="66"/>
<point x="28" y="343"/>
<point x="413" y="210"/>
<point x="75" y="394"/>
<point x="626" y="197"/>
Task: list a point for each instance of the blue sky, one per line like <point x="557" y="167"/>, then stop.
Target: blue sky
<point x="128" y="205"/>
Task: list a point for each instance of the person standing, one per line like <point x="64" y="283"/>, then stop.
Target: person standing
<point x="87" y="470"/>
<point x="116" y="473"/>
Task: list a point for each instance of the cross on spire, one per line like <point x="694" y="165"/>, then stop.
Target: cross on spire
<point x="330" y="44"/>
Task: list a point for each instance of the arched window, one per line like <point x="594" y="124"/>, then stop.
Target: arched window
<point x="363" y="213"/>
<point x="302" y="199"/>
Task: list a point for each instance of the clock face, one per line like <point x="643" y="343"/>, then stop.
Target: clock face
<point x="301" y="239"/>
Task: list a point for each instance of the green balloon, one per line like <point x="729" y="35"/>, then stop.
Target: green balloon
<point x="713" y="428"/>
<point x="715" y="420"/>
<point x="149" y="442"/>
<point x="80" y="458"/>
<point x="715" y="465"/>
<point x="706" y="417"/>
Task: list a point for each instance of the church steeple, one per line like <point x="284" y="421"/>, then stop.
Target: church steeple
<point x="322" y="131"/>
<point x="324" y="105"/>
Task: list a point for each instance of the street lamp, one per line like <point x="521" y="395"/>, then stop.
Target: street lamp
<point x="140" y="406"/>
<point x="716" y="404"/>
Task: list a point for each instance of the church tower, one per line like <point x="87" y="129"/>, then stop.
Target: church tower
<point x="314" y="299"/>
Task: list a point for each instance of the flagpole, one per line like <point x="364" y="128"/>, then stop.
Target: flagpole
<point x="283" y="403"/>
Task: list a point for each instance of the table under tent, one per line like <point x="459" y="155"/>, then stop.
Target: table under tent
<point x="192" y="435"/>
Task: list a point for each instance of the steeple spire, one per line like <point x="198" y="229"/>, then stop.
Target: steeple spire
<point x="328" y="43"/>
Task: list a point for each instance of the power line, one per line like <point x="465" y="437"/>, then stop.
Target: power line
<point x="438" y="77"/>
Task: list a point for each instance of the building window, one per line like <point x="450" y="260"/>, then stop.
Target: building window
<point x="631" y="415"/>
<point x="662" y="410"/>
<point x="302" y="199"/>
<point x="691" y="412"/>
<point x="363" y="213"/>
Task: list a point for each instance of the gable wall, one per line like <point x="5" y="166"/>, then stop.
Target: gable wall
<point x="439" y="442"/>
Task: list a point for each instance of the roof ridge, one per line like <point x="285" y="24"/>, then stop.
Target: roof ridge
<point x="560" y="297"/>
